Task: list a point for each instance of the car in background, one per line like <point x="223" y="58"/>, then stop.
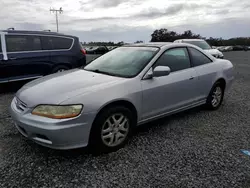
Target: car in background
<point x="240" y="48"/>
<point x="26" y="55"/>
<point x="228" y="48"/>
<point x="100" y="50"/>
<point x="221" y="48"/>
<point x="100" y="104"/>
<point x="203" y="45"/>
<point x="112" y="47"/>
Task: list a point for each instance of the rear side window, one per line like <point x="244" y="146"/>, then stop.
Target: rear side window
<point x="56" y="43"/>
<point x="19" y="43"/>
<point x="46" y="43"/>
<point x="198" y="58"/>
<point x="176" y="59"/>
<point x="59" y="43"/>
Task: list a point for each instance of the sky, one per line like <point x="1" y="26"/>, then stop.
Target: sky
<point x="129" y="20"/>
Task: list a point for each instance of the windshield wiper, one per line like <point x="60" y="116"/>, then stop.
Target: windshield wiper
<point x="102" y="72"/>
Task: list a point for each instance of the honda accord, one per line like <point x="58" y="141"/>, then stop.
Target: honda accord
<point x="99" y="105"/>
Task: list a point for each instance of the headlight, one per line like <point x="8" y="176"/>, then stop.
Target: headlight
<point x="221" y="55"/>
<point x="58" y="112"/>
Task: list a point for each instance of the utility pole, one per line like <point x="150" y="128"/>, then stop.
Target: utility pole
<point x="56" y="11"/>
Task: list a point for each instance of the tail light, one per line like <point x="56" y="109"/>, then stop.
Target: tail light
<point x="83" y="51"/>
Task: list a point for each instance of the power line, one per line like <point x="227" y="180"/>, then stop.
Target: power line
<point x="56" y="11"/>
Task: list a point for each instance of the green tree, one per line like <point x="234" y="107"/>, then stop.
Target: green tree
<point x="138" y="41"/>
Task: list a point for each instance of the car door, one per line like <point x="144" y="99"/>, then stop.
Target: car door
<point x="61" y="51"/>
<point x="26" y="57"/>
<point x="175" y="91"/>
<point x="3" y="67"/>
<point x="206" y="71"/>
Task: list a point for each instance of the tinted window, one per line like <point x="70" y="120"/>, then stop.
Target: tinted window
<point x="36" y="43"/>
<point x="56" y="43"/>
<point x="198" y="58"/>
<point x="176" y="59"/>
<point x="60" y="43"/>
<point x="46" y="43"/>
<point x="18" y="43"/>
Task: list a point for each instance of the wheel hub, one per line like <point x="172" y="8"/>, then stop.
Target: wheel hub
<point x="217" y="96"/>
<point x="115" y="130"/>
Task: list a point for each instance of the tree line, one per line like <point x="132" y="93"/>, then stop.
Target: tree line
<point x="103" y="43"/>
<point x="164" y="35"/>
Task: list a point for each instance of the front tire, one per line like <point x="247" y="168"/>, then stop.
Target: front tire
<point x="60" y="68"/>
<point x="215" y="97"/>
<point x="111" y="129"/>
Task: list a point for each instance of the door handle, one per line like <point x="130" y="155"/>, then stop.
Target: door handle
<point x="191" y="78"/>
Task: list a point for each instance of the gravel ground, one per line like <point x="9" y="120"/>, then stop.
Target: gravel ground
<point x="196" y="148"/>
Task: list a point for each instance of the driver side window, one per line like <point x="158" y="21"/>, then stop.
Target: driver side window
<point x="176" y="59"/>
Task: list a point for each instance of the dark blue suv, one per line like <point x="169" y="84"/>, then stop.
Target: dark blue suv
<point x="28" y="55"/>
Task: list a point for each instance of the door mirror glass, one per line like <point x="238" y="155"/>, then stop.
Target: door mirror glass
<point x="161" y="71"/>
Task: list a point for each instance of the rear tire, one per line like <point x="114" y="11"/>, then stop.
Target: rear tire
<point x="215" y="97"/>
<point x="60" y="68"/>
<point x="111" y="130"/>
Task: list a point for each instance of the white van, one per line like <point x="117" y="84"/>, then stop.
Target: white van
<point x="203" y="45"/>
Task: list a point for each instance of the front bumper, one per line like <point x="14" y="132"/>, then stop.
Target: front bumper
<point x="52" y="133"/>
<point x="218" y="56"/>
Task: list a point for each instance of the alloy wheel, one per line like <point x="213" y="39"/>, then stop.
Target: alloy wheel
<point x="60" y="70"/>
<point x="115" y="130"/>
<point x="216" y="96"/>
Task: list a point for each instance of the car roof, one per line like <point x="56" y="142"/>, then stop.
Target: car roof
<point x="34" y="32"/>
<point x="160" y="45"/>
<point x="151" y="44"/>
<point x="189" y="40"/>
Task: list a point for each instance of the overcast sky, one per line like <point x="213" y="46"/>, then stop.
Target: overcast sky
<point x="129" y="20"/>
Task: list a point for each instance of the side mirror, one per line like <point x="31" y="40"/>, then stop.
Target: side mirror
<point x="161" y="71"/>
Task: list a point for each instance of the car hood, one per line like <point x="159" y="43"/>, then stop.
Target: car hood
<point x="213" y="52"/>
<point x="56" y="88"/>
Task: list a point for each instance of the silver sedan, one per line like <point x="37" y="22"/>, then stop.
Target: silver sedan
<point x="100" y="104"/>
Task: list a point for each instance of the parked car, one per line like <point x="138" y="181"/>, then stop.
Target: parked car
<point x="228" y="48"/>
<point x="97" y="50"/>
<point x="100" y="104"/>
<point x="221" y="48"/>
<point x="28" y="55"/>
<point x="203" y="45"/>
<point x="112" y="47"/>
<point x="240" y="48"/>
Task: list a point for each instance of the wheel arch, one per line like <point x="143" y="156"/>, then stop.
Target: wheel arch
<point x="222" y="81"/>
<point x="62" y="64"/>
<point x="121" y="102"/>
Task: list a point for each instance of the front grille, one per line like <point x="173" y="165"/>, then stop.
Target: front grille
<point x="20" y="104"/>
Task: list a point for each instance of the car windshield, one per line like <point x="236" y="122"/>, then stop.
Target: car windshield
<point x="123" y="61"/>
<point x="202" y="44"/>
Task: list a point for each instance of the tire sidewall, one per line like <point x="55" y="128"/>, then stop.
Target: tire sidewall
<point x="209" y="99"/>
<point x="95" y="141"/>
<point x="58" y="68"/>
